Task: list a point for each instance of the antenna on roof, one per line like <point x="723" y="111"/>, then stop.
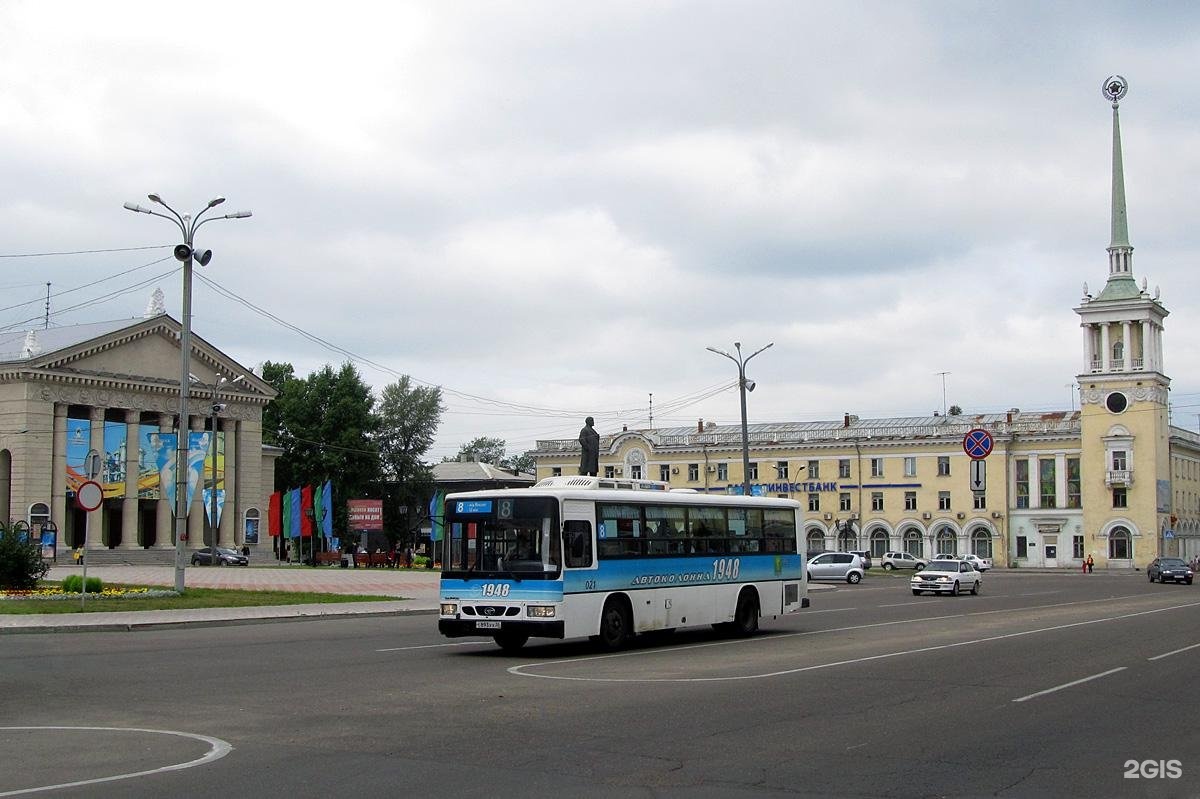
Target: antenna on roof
<point x="651" y="410"/>
<point x="47" y="323"/>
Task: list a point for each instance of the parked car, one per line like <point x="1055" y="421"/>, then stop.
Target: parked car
<point x="1163" y="569"/>
<point x="980" y="564"/>
<point x="225" y="557"/>
<point x="902" y="560"/>
<point x="864" y="556"/>
<point x="947" y="576"/>
<point x="836" y="566"/>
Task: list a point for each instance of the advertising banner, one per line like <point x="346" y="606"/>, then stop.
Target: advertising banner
<point x="199" y="464"/>
<point x="366" y="515"/>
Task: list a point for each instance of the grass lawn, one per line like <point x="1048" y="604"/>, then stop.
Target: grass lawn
<point x="192" y="598"/>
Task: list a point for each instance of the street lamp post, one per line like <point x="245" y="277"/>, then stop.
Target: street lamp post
<point x="185" y="253"/>
<point x="744" y="385"/>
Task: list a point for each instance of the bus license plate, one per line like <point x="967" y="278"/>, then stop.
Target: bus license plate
<point x="487" y="625"/>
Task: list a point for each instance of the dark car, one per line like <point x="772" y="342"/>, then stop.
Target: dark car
<point x="225" y="557"/>
<point x="1163" y="569"/>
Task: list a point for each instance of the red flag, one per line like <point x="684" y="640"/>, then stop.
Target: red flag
<point x="274" y="514"/>
<point x="306" y="522"/>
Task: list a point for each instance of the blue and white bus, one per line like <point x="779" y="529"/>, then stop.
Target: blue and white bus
<point x="609" y="558"/>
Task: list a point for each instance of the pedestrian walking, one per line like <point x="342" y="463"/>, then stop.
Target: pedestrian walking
<point x="1090" y="566"/>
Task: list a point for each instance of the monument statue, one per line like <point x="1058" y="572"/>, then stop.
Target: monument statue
<point x="589" y="442"/>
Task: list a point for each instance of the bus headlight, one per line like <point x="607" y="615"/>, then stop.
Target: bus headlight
<point x="449" y="608"/>
<point x="539" y="611"/>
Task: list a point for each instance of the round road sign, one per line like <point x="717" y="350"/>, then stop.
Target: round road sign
<point x="977" y="444"/>
<point x="90" y="495"/>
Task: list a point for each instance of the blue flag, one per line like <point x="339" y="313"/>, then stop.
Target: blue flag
<point x="294" y="501"/>
<point x="327" y="505"/>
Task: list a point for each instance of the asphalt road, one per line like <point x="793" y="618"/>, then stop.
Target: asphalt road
<point x="1045" y="685"/>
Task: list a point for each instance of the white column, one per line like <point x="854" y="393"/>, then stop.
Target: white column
<point x="1156" y="337"/>
<point x="1105" y="351"/>
<point x="229" y="514"/>
<point x="1089" y="346"/>
<point x="129" y="506"/>
<point x="58" y="475"/>
<point x="1147" y="360"/>
<point x="95" y="519"/>
<point x="1035" y="483"/>
<point x="1127" y="345"/>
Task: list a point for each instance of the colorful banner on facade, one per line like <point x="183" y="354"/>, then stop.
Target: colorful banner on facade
<point x="294" y="513"/>
<point x="306" y="512"/>
<point x="208" y="506"/>
<point x="79" y="443"/>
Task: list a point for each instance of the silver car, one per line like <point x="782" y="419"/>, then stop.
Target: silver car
<point x="836" y="566"/>
<point x="902" y="560"/>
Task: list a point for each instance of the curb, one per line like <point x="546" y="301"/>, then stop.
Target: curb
<point x="135" y="626"/>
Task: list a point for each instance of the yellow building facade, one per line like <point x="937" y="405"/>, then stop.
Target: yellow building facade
<point x="1113" y="481"/>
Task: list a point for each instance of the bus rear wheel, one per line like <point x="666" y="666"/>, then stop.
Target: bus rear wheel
<point x="745" y="617"/>
<point x="510" y="642"/>
<point x="615" y="625"/>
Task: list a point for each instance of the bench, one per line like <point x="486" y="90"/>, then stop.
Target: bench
<point x="329" y="558"/>
<point x="368" y="559"/>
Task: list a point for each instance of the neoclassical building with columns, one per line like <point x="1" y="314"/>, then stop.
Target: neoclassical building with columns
<point x="113" y="388"/>
<point x="1115" y="480"/>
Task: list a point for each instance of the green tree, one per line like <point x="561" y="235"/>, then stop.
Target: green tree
<point x="954" y="411"/>
<point x="484" y="449"/>
<point x="408" y="419"/>
<point x="21" y="564"/>
<point x="326" y="427"/>
<point x="525" y="462"/>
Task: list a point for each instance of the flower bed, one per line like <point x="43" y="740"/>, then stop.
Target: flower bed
<point x="57" y="593"/>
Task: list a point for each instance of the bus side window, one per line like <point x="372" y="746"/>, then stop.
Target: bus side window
<point x="578" y="537"/>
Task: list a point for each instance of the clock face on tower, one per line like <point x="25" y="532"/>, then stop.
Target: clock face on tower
<point x="1116" y="402"/>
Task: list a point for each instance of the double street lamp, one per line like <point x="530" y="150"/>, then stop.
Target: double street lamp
<point x="744" y="385"/>
<point x="185" y="253"/>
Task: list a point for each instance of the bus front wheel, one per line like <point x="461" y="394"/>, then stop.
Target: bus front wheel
<point x="510" y="642"/>
<point x="615" y="625"/>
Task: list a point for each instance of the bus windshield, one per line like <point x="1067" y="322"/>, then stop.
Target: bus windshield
<point x="502" y="535"/>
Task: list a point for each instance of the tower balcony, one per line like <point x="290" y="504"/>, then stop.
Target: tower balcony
<point x="1119" y="478"/>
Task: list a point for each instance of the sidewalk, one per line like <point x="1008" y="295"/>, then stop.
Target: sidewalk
<point x="415" y="591"/>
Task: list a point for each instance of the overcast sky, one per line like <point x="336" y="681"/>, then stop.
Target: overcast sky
<point x="559" y="205"/>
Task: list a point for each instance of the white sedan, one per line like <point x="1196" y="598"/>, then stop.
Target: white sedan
<point x="947" y="576"/>
<point x="981" y="564"/>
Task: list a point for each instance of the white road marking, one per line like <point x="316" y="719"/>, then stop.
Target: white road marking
<point x="518" y="670"/>
<point x="433" y="646"/>
<point x="1173" y="652"/>
<point x="902" y="604"/>
<point x="1072" y="683"/>
<point x="829" y="610"/>
<point x="219" y="750"/>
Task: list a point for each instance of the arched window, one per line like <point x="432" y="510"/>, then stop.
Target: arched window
<point x="847" y="540"/>
<point x="816" y="541"/>
<point x="1120" y="544"/>
<point x="879" y="542"/>
<point x="250" y="526"/>
<point x="39" y="513"/>
<point x="1118" y="349"/>
<point x="947" y="542"/>
<point x="912" y="543"/>
<point x="981" y="543"/>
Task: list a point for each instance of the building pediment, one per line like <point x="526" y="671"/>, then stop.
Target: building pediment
<point x="140" y="358"/>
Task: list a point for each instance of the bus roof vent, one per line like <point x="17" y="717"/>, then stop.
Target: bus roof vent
<point x="584" y="481"/>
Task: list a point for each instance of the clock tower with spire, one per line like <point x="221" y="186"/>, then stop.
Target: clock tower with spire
<point x="1123" y="391"/>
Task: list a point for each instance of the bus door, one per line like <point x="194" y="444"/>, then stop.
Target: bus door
<point x="579" y="546"/>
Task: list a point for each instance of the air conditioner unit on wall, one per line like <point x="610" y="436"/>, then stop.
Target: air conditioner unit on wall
<point x="961" y="515"/>
<point x="828" y="516"/>
<point x="711" y="469"/>
<point x="674" y="470"/>
<point x="997" y="514"/>
<point x="926" y="515"/>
